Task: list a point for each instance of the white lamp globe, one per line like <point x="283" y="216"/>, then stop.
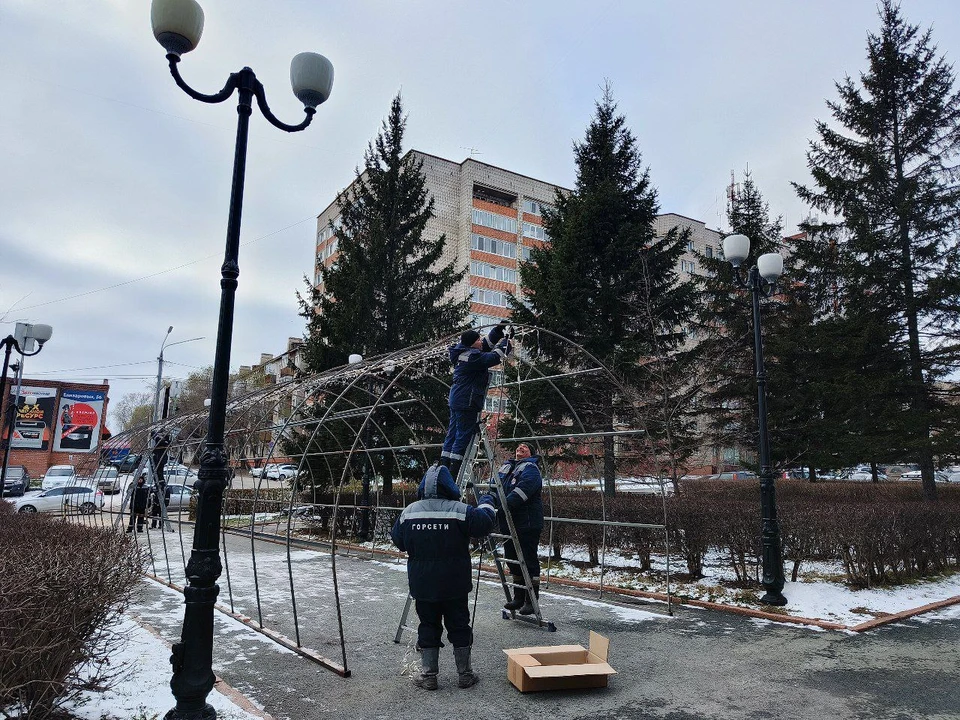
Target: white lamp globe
<point x="177" y="24"/>
<point x="770" y="266"/>
<point x="354" y="359"/>
<point x="736" y="248"/>
<point x="311" y="77"/>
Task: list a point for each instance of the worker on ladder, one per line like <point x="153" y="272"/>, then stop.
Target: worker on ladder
<point x="522" y="484"/>
<point x="435" y="533"/>
<point x="472" y="359"/>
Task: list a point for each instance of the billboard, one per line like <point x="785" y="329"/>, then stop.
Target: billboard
<point x="33" y="424"/>
<point x="78" y="421"/>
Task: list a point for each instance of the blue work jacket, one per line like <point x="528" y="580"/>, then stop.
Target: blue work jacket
<point x="522" y="484"/>
<point x="471" y="370"/>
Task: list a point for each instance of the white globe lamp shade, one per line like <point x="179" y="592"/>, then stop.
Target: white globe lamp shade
<point x="41" y="333"/>
<point x="177" y="24"/>
<point x="770" y="266"/>
<point x="311" y="76"/>
<point x="354" y="359"/>
<point x="736" y="248"/>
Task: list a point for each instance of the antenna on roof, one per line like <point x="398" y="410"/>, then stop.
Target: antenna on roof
<point x="472" y="150"/>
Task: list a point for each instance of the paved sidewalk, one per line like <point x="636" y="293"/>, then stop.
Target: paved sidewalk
<point x="697" y="664"/>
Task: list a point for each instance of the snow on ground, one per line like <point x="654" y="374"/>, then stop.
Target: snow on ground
<point x="142" y="691"/>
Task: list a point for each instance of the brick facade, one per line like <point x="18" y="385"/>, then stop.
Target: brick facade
<point x="37" y="461"/>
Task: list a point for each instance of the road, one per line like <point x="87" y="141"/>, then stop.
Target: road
<point x="695" y="665"/>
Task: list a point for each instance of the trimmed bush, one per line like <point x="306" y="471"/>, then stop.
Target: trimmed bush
<point x="62" y="585"/>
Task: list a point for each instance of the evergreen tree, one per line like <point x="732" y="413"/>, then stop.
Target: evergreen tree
<point x="387" y="288"/>
<point x="729" y="405"/>
<point x="888" y="173"/>
<point x="606" y="280"/>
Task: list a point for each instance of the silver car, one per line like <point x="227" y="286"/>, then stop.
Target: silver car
<point x="70" y="498"/>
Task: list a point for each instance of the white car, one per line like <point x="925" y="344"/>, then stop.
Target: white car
<point x="270" y="467"/>
<point x="70" y="498"/>
<point x="59" y="476"/>
<point x="865" y="476"/>
<point x="280" y="472"/>
<point x="938" y="476"/>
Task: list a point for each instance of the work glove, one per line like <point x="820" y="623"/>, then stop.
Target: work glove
<point x="505" y="345"/>
<point x="487" y="500"/>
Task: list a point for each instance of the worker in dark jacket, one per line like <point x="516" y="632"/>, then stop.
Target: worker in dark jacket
<point x="522" y="484"/>
<point x="472" y="359"/>
<point x="157" y="510"/>
<point x="138" y="504"/>
<point x="435" y="533"/>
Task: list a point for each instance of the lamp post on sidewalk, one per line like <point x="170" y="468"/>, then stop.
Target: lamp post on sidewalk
<point x="24" y="339"/>
<point x="760" y="281"/>
<point x="177" y="26"/>
<point x="157" y="413"/>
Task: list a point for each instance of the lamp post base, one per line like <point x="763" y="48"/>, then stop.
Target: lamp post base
<point x="208" y="713"/>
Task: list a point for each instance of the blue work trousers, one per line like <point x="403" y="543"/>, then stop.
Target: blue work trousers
<point x="463" y="426"/>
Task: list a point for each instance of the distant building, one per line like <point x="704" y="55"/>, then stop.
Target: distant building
<point x="65" y="426"/>
<point x="491" y="218"/>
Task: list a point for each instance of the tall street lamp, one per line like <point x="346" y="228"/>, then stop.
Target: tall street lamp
<point x="760" y="281"/>
<point x="177" y="26"/>
<point x="156" y="395"/>
<point x="23" y="341"/>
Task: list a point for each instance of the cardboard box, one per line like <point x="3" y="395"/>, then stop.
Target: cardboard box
<point x="560" y="667"/>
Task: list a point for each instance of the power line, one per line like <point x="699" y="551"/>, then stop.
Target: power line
<point x="92" y="367"/>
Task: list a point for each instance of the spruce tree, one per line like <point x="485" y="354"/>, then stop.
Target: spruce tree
<point x="888" y="172"/>
<point x="387" y="288"/>
<point x="606" y="281"/>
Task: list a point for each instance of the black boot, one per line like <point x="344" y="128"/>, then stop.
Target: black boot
<point x="519" y="596"/>
<point x="527" y="608"/>
<point x="467" y="678"/>
<point x="455" y="469"/>
<point x="430" y="660"/>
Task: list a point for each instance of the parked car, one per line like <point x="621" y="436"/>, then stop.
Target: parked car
<point x="938" y="476"/>
<point x="69" y="498"/>
<point x="107" y="479"/>
<point x="733" y="475"/>
<point x="16" y="481"/>
<point x="860" y="475"/>
<point x="280" y="472"/>
<point x="180" y="496"/>
<point x="178" y="474"/>
<point x="269" y="467"/>
<point x="59" y="476"/>
<point x="128" y="463"/>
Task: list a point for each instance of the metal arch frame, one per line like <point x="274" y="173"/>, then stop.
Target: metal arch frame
<point x="248" y="411"/>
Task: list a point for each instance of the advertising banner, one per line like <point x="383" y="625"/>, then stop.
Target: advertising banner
<point x="78" y="421"/>
<point x="33" y="424"/>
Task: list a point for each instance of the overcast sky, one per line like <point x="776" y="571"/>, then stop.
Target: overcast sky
<point x="114" y="184"/>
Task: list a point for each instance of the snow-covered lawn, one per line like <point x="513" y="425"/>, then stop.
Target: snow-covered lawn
<point x="142" y="690"/>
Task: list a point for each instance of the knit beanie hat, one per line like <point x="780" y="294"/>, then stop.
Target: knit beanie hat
<point x="469" y="338"/>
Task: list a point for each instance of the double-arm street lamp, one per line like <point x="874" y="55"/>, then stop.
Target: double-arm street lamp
<point x="760" y="281"/>
<point x="157" y="409"/>
<point x="177" y="26"/>
<point x="23" y="341"/>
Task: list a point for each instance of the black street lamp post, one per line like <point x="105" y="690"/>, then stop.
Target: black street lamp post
<point x="177" y="26"/>
<point x="30" y="333"/>
<point x="760" y="281"/>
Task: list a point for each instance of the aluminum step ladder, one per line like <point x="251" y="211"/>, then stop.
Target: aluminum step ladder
<point x="145" y="465"/>
<point x="495" y="541"/>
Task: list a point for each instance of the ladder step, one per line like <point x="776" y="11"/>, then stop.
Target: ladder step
<point x="501" y="536"/>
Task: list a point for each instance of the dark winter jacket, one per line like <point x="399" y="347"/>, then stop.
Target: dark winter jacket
<point x="141" y="494"/>
<point x="471" y="370"/>
<point x="522" y="484"/>
<point x="435" y="532"/>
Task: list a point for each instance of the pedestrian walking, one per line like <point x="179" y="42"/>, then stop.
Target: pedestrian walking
<point x="435" y="532"/>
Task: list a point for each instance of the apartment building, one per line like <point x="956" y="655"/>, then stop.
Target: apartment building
<point x="492" y="218"/>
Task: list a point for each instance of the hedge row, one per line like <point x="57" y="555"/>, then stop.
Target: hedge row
<point x="880" y="533"/>
<point x="62" y="585"/>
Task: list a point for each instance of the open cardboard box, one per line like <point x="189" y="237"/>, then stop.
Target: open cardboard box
<point x="560" y="667"/>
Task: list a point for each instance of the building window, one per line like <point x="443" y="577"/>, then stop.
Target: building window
<point x="492" y="195"/>
<point x="329" y="250"/>
<point x="688" y="266"/>
<point x="496" y="247"/>
<point x="495" y="403"/>
<point x="495" y="221"/>
<point x="690" y="245"/>
<point x="535" y="231"/>
<point x="488" y="297"/>
<point x="494" y="272"/>
<point x="708" y="251"/>
<point x="479" y="321"/>
<point x="535" y="207"/>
